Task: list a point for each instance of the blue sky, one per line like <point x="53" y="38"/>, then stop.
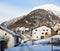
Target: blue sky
<point x="14" y="8"/>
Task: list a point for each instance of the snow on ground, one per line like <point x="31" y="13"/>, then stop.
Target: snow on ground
<point x="47" y="40"/>
<point x="25" y="39"/>
<point x="42" y="41"/>
<point x="56" y="36"/>
<point x="34" y="48"/>
<point x="27" y="46"/>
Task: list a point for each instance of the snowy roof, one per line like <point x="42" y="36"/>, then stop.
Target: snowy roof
<point x="1" y="40"/>
<point x="42" y="27"/>
<point x="58" y="24"/>
<point x="30" y="48"/>
<point x="8" y="30"/>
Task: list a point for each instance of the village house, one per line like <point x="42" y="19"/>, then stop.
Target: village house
<point x="21" y="30"/>
<point x="9" y="36"/>
<point x="56" y="28"/>
<point x="41" y="32"/>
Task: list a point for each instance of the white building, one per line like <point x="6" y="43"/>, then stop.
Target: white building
<point x="21" y="30"/>
<point x="41" y="32"/>
<point x="56" y="28"/>
<point x="58" y="32"/>
<point x="9" y="36"/>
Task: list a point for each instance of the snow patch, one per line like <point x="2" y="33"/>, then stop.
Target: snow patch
<point x="48" y="7"/>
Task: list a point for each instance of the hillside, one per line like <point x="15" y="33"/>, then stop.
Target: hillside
<point x="35" y="18"/>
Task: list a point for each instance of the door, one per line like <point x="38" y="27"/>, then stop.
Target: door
<point x="42" y="37"/>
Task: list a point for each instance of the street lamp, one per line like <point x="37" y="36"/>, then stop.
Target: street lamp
<point x="51" y="42"/>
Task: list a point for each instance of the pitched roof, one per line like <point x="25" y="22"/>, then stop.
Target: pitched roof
<point x="42" y="27"/>
<point x="8" y="30"/>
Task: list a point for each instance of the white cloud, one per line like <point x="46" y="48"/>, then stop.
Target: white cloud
<point x="9" y="11"/>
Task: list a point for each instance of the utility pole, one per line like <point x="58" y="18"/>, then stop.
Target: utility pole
<point x="51" y="42"/>
<point x="51" y="33"/>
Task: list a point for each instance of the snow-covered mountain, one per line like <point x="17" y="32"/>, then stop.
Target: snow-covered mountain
<point x="49" y="7"/>
<point x="11" y="21"/>
<point x="38" y="16"/>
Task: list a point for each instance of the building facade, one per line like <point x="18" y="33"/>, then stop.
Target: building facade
<point x="41" y="32"/>
<point x="8" y="36"/>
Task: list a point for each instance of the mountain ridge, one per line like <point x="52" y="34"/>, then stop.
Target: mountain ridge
<point x="34" y="18"/>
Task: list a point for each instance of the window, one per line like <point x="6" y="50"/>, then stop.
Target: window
<point x="5" y="33"/>
<point x="22" y="32"/>
<point x="42" y="37"/>
<point x="0" y="28"/>
<point x="47" y="30"/>
<point x="43" y="29"/>
<point x="46" y="33"/>
<point x="30" y="34"/>
<point x="42" y="33"/>
<point x="36" y="30"/>
<point x="36" y="36"/>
